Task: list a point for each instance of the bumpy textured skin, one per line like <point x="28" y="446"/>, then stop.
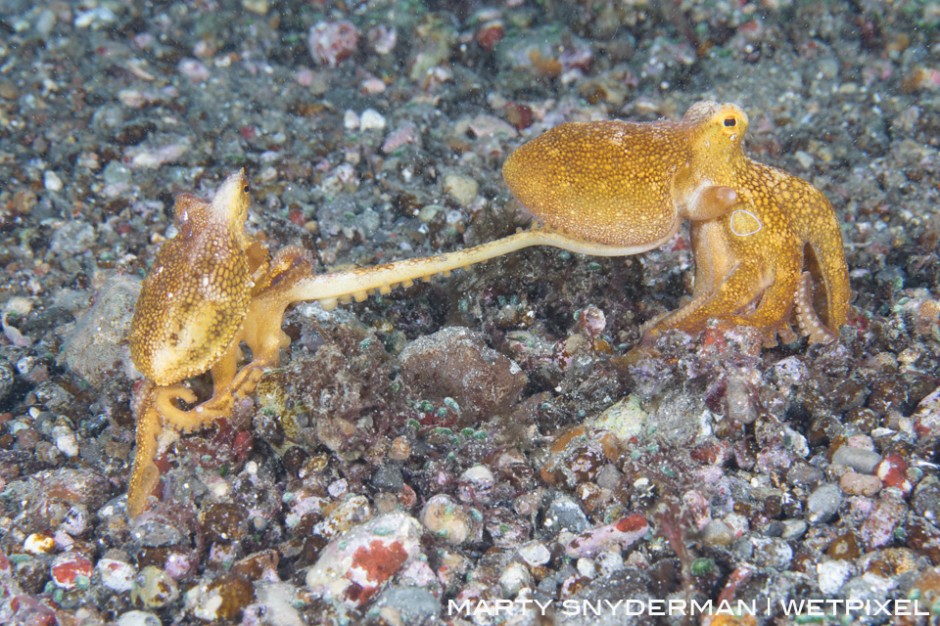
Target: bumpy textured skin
<point x="752" y="224"/>
<point x="196" y="296"/>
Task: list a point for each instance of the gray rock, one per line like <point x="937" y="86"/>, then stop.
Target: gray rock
<point x="859" y="459"/>
<point x="823" y="504"/>
<point x="565" y="513"/>
<point x="414" y="605"/>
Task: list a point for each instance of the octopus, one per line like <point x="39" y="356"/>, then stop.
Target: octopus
<point x="599" y="188"/>
<point x="754" y="228"/>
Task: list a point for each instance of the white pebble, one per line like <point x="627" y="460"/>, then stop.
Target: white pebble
<point x="116" y="575"/>
<point x="351" y="120"/>
<point x="52" y="181"/>
<point x="371" y="120"/>
<point x="65" y="440"/>
<point x="138" y="618"/>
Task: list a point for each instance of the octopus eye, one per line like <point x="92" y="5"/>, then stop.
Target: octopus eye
<point x="246" y="189"/>
<point x="730" y="122"/>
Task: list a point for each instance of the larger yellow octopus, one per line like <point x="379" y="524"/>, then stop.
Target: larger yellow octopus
<point x="752" y="224"/>
<point x="602" y="188"/>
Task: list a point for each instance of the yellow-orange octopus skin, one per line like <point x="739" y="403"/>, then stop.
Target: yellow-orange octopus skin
<point x="600" y="188"/>
<point x="753" y="226"/>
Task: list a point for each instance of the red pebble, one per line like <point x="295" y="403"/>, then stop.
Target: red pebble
<point x="71" y="569"/>
<point x="632" y="523"/>
<point x="893" y="473"/>
<point x="489" y="35"/>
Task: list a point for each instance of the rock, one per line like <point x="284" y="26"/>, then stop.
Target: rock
<point x="564" y="513"/>
<point x="357" y="564"/>
<point x="823" y="504"/>
<point x="138" y="618"/>
<point x="859" y="459"/>
<point x="455" y="363"/>
<point x="154" y="588"/>
<point x="96" y="347"/>
<point x="831" y="575"/>
<point x="449" y="520"/>
<point x="856" y="484"/>
<point x="620" y="535"/>
<point x="409" y="605"/>
<point x="462" y="189"/>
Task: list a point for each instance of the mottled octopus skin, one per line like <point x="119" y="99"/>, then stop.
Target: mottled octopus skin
<point x="618" y="183"/>
<point x="603" y="188"/>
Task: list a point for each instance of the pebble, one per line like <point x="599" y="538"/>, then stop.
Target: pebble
<point x="65" y="440"/>
<point x="356" y="565"/>
<point x="51" y="181"/>
<point x="535" y="553"/>
<point x="71" y="569"/>
<point x="892" y="471"/>
<point x="515" y="578"/>
<point x="463" y="189"/>
<point x="371" y="120"/>
<point x="332" y="42"/>
<point x="276" y="603"/>
<point x="793" y="529"/>
<point x="116" y="574"/>
<point x="410" y="605"/>
<point x="222" y="599"/>
<point x="455" y="362"/>
<point x="823" y="504"/>
<point x="138" y="618"/>
<point x="831" y="575"/>
<point x="475" y="485"/>
<point x="717" y="533"/>
<point x="451" y="521"/>
<point x="38" y="543"/>
<point x="856" y="484"/>
<point x="859" y="459"/>
<point x="619" y="535"/>
<point x="564" y="513"/>
<point x="154" y="588"/>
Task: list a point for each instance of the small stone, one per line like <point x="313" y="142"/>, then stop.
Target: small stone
<point x="793" y="529"/>
<point x="65" y="439"/>
<point x="71" y="570"/>
<point x="475" y="485"/>
<point x="535" y="554"/>
<point x="222" y="599"/>
<point x="462" y="189"/>
<point x="892" y="471"/>
<point x="823" y="504"/>
<point x="844" y="547"/>
<point x="357" y="564"/>
<point x="371" y="120"/>
<point x="138" y="618"/>
<point x="717" y="533"/>
<point x="859" y="459"/>
<point x="411" y="605"/>
<point x="856" y="484"/>
<point x="564" y="513"/>
<point x="259" y="7"/>
<point x="831" y="575"/>
<point x="116" y="574"/>
<point x="619" y="535"/>
<point x="154" y="588"/>
<point x="515" y="578"/>
<point x="332" y="42"/>
<point x="39" y="543"/>
<point x="225" y="521"/>
<point x="51" y="181"/>
<point x="449" y="520"/>
<point x="804" y="159"/>
<point x="388" y="477"/>
<point x="878" y="530"/>
<point x="455" y="363"/>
